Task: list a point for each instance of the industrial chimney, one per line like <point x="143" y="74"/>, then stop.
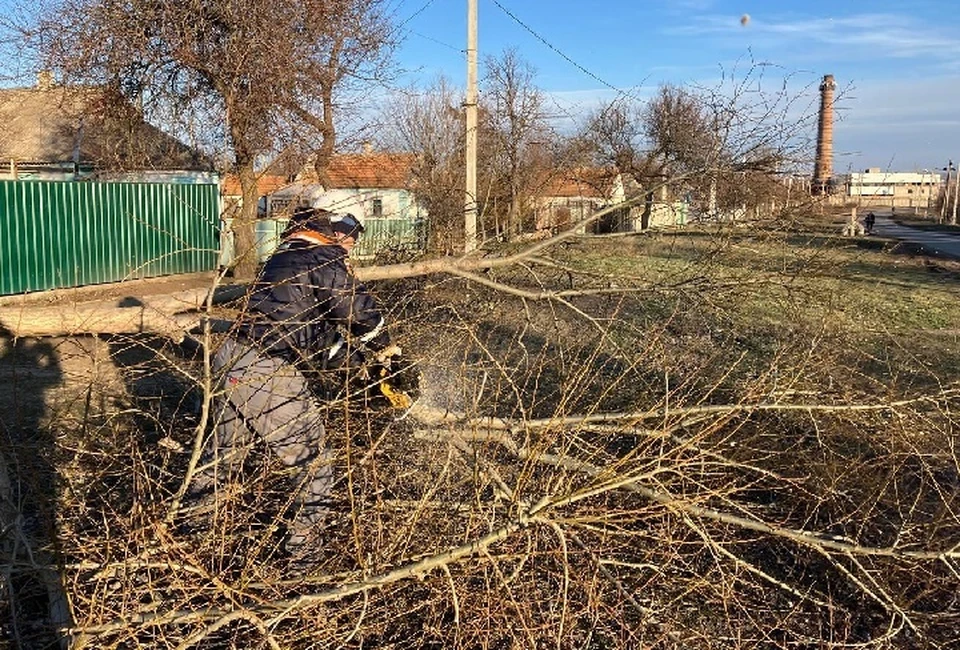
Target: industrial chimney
<point x="823" y="168"/>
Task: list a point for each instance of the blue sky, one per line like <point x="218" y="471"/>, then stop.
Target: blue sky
<point x="896" y="64"/>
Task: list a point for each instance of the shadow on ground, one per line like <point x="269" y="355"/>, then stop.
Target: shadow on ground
<point x="32" y="600"/>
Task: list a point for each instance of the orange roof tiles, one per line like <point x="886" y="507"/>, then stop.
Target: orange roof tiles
<point x="588" y="183"/>
<point x="266" y="184"/>
<point x="371" y="171"/>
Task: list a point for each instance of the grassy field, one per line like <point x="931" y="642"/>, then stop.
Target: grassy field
<point x="773" y="300"/>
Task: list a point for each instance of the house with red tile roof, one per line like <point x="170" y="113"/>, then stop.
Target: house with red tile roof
<point x="573" y="195"/>
<point x="376" y="187"/>
<point x="569" y="196"/>
<point x="370" y="185"/>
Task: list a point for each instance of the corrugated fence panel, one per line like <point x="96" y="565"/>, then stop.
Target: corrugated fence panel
<point x="379" y="235"/>
<point x="385" y="234"/>
<point x="57" y="234"/>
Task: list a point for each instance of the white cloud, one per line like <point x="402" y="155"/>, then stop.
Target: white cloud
<point x="875" y="35"/>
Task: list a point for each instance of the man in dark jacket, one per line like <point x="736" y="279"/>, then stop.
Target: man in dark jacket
<point x="304" y="303"/>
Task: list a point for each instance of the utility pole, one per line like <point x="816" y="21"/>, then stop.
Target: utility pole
<point x="956" y="191"/>
<point x="946" y="192"/>
<point x="470" y="114"/>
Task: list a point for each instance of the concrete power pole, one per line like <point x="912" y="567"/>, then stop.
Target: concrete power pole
<point x="956" y="192"/>
<point x="946" y="192"/>
<point x="470" y="114"/>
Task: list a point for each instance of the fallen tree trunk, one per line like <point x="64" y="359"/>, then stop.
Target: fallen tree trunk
<point x="174" y="315"/>
<point x="171" y="315"/>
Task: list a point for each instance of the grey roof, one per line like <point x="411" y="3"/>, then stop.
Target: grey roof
<point x="62" y="124"/>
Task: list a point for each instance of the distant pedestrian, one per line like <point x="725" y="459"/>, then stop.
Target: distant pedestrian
<point x="869" y="222"/>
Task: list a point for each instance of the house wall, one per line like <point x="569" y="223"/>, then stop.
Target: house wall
<point x="662" y="214"/>
<point x="21" y="171"/>
<point x="557" y="213"/>
<point x="362" y="203"/>
<point x="374" y="203"/>
<point x="392" y="218"/>
<point x="401" y="223"/>
<point x="41" y="171"/>
<point x="187" y="177"/>
<point x="560" y="212"/>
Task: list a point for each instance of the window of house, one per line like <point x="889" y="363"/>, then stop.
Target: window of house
<point x="377" y="208"/>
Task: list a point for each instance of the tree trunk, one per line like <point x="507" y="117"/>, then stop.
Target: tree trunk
<point x="244" y="226"/>
<point x="647" y="211"/>
<point x="167" y="315"/>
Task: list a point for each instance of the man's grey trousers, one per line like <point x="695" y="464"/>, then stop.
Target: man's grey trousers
<point x="267" y="398"/>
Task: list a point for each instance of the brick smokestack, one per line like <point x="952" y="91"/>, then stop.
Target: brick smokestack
<point x="823" y="168"/>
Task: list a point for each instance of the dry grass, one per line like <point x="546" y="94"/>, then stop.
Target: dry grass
<point x="720" y="439"/>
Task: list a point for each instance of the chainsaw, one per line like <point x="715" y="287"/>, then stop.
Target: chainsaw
<point x="387" y="382"/>
<point x="398" y="380"/>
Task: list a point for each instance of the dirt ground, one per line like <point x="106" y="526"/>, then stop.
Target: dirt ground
<point x="119" y="290"/>
<point x="43" y="377"/>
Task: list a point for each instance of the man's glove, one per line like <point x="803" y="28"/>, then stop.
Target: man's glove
<point x="387" y="354"/>
<point x="399" y="379"/>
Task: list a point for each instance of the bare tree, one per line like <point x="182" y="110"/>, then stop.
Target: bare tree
<point x="517" y="138"/>
<point x="515" y="152"/>
<point x="429" y="124"/>
<point x="242" y="73"/>
<point x="668" y="137"/>
<point x="702" y="142"/>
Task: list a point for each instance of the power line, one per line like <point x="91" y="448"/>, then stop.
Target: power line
<point x="416" y="13"/>
<point x="401" y="27"/>
<point x="557" y="50"/>
<point x="430" y="38"/>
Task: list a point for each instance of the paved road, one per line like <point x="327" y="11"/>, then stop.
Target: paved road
<point x="943" y="244"/>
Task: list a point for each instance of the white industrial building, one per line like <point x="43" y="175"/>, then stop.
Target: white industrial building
<point x="896" y="189"/>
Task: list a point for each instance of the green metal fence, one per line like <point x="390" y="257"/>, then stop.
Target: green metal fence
<point x="379" y="235"/>
<point x="384" y="234"/>
<point x="66" y="234"/>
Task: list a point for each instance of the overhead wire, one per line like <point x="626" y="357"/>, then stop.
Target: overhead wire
<point x="557" y="50"/>
<point x="570" y="116"/>
<point x="416" y="13"/>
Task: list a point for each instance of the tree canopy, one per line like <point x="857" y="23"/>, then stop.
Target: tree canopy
<point x="243" y="76"/>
